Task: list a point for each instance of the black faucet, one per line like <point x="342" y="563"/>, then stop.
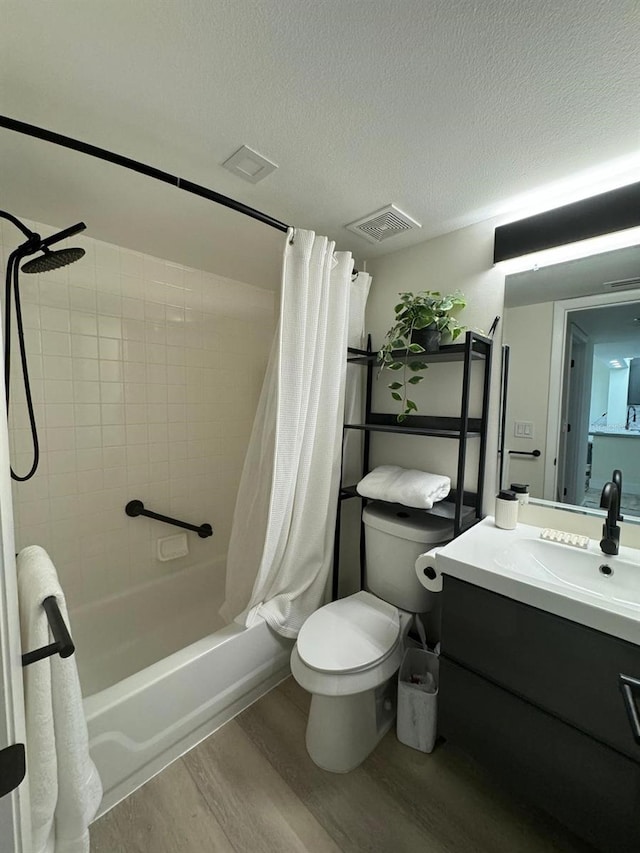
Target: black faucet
<point x="610" y="500"/>
<point x="626" y="426"/>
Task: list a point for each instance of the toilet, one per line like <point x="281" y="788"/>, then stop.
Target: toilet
<point x="348" y="652"/>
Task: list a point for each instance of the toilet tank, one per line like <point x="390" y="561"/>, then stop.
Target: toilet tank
<point x="395" y="536"/>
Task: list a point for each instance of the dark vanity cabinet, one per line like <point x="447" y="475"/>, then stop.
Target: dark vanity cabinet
<point x="537" y="699"/>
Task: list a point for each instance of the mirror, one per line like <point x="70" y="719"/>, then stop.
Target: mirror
<point x="574" y="374"/>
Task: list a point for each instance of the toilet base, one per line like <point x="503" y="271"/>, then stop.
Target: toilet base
<point x="343" y="730"/>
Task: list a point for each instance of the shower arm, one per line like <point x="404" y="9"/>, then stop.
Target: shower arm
<point x="35" y="242"/>
<point x="32" y="237"/>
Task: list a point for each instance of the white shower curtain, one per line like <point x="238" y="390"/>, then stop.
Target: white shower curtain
<point x="280" y="549"/>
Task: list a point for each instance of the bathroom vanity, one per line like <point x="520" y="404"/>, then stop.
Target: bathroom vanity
<point x="539" y="648"/>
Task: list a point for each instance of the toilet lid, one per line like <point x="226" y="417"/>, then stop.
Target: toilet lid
<point x="349" y="634"/>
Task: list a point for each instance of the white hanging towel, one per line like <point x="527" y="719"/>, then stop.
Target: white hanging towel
<point x="64" y="785"/>
<point x="416" y="489"/>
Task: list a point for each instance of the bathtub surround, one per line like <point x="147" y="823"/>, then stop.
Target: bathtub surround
<point x="283" y="528"/>
<point x="145" y="376"/>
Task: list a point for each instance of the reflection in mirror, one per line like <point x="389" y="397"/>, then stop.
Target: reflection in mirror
<point x="573" y="330"/>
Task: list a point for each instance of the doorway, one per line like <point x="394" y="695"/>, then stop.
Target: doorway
<point x="597" y="430"/>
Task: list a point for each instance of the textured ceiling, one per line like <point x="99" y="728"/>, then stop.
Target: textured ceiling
<point x="445" y="107"/>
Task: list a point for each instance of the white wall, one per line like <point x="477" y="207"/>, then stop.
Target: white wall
<point x="527" y="331"/>
<point x="460" y="260"/>
<point x="617" y="401"/>
<point x="145" y="376"/>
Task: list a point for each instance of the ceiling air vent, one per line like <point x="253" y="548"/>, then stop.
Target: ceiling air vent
<point x="384" y="223"/>
<point x="623" y="284"/>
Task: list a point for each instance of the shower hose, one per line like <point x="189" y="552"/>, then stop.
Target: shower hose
<point x="12" y="282"/>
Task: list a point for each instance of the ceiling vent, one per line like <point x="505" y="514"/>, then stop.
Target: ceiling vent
<point x="623" y="284"/>
<point x="384" y="223"/>
<point x="249" y="165"/>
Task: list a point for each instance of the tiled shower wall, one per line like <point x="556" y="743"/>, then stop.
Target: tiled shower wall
<point x="145" y="376"/>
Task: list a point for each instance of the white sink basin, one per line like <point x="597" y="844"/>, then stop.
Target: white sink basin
<point x="612" y="578"/>
<point x="585" y="586"/>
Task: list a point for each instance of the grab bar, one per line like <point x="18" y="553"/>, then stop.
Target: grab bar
<point x="535" y="453"/>
<point x="135" y="508"/>
<point x="63" y="644"/>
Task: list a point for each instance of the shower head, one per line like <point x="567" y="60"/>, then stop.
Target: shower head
<point x="52" y="260"/>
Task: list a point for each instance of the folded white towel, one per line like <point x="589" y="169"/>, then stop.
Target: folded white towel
<point x="404" y="486"/>
<point x="64" y="785"/>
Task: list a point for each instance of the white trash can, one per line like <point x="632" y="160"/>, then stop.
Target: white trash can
<point x="418" y="699"/>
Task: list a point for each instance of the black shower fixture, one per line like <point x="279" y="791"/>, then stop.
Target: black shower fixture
<point x="52" y="260"/>
<point x="45" y="262"/>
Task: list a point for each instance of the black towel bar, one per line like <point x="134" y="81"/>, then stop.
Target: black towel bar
<point x="135" y="508"/>
<point x="62" y="645"/>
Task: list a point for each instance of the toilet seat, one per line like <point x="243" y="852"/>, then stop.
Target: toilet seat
<point x="349" y="635"/>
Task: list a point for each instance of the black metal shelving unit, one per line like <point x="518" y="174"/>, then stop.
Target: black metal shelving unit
<point x="463" y="507"/>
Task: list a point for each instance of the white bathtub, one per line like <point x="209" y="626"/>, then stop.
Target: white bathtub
<point x="142" y="723"/>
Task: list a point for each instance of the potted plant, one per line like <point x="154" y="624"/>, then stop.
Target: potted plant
<point x="421" y="319"/>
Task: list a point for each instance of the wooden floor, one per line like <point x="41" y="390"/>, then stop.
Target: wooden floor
<point x="251" y="788"/>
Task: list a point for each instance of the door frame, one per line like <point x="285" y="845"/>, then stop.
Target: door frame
<point x="561" y="309"/>
<point x="576" y="395"/>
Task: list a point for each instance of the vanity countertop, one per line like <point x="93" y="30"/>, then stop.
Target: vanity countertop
<point x="560" y="579"/>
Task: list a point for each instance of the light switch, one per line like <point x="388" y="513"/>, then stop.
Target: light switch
<point x="523" y="429"/>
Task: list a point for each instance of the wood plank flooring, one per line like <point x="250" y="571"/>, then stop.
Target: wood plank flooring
<point x="251" y="788"/>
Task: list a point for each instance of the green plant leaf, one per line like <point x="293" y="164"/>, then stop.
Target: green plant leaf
<point x="427" y="319"/>
<point x="415" y="348"/>
<point x="411" y="406"/>
<point x="395" y="365"/>
<point x="417" y="365"/>
<point x="399" y="343"/>
<point x="401" y="418"/>
<point x="396" y="396"/>
<point x="395" y="385"/>
<point x="413" y="380"/>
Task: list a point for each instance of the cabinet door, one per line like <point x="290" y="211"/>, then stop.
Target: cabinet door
<point x="567" y="669"/>
<point x="633" y="391"/>
<point x="591" y="789"/>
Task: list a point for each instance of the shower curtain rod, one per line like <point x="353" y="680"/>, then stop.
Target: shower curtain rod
<point x="142" y="168"/>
